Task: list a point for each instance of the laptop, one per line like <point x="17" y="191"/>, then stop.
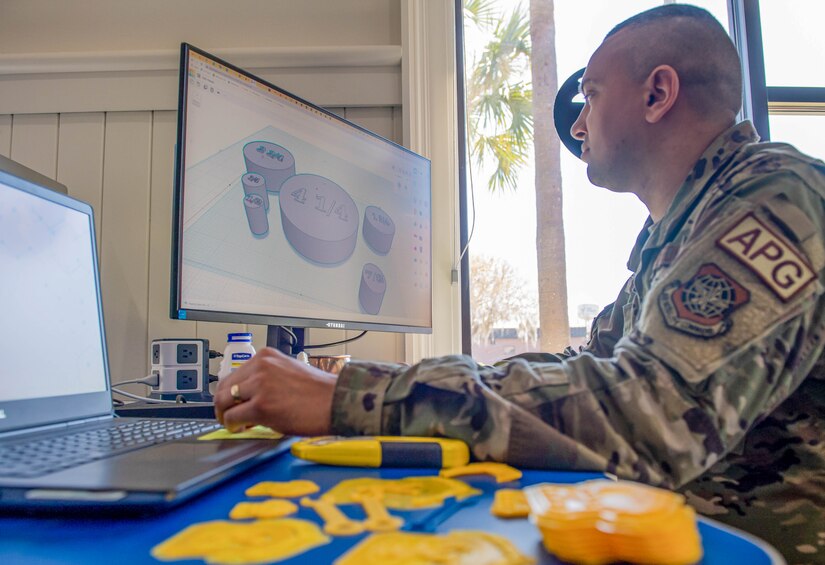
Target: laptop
<point x="62" y="447"/>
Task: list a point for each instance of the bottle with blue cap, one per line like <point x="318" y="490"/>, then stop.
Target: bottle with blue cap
<point x="238" y="350"/>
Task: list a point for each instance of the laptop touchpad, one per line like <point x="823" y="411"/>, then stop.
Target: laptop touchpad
<point x="171" y="466"/>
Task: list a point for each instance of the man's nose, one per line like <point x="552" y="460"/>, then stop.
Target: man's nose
<point x="578" y="129"/>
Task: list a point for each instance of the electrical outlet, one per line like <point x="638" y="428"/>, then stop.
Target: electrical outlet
<point x="182" y="366"/>
<point x="187" y="379"/>
<point x="187" y="353"/>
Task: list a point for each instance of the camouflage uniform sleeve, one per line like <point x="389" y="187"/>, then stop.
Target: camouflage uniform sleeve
<point x="725" y="332"/>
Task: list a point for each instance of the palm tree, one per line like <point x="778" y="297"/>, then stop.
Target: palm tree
<point x="500" y="121"/>
<point x="501" y="109"/>
<point x="552" y="271"/>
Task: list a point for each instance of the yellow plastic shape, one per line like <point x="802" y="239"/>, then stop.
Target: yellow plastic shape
<point x="510" y="503"/>
<point x="255" y="432"/>
<point x="383" y="451"/>
<point x="456" y="547"/>
<point x="267" y="509"/>
<point x="378" y="519"/>
<point x="502" y="472"/>
<point x="285" y="489"/>
<point x="336" y="523"/>
<point x="408" y="493"/>
<point x="238" y="543"/>
<point x="599" y="522"/>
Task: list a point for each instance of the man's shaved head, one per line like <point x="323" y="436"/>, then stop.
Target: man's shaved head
<point x="692" y="41"/>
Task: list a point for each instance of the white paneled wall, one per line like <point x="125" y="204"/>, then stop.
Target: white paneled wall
<point x="122" y="164"/>
<point x="91" y="102"/>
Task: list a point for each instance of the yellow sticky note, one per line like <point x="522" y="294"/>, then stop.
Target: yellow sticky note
<point x="257" y="432"/>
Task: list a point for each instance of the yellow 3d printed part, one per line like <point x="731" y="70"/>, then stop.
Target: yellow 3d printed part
<point x="404" y="494"/>
<point x="383" y="451"/>
<point x="598" y="522"/>
<point x="502" y="472"/>
<point x="461" y="547"/>
<point x="266" y="509"/>
<point x="336" y="523"/>
<point x="234" y="543"/>
<point x="286" y="489"/>
<point x="378" y="519"/>
<point x="510" y="503"/>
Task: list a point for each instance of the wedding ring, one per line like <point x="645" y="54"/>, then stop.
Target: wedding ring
<point x="235" y="393"/>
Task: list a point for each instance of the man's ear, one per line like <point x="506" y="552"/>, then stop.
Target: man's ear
<point x="661" y="91"/>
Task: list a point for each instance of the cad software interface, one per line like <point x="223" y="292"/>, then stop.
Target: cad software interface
<point x="290" y="212"/>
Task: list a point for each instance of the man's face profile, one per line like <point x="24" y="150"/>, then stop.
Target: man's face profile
<point x="609" y="122"/>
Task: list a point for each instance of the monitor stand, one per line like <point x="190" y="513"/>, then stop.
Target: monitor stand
<point x="278" y="338"/>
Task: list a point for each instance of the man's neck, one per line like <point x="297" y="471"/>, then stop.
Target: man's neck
<point x="672" y="162"/>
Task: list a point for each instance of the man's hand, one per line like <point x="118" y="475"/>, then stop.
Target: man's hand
<point x="277" y="391"/>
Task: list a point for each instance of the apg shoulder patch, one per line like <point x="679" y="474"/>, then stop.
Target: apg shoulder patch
<point x="702" y="305"/>
<point x="776" y="262"/>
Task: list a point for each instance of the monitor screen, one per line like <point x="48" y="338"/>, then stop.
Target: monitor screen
<point x="51" y="330"/>
<point x="289" y="215"/>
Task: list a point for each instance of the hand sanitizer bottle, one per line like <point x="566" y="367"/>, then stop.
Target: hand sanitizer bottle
<point x="238" y="350"/>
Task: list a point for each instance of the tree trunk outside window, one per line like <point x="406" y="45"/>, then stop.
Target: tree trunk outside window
<point x="552" y="272"/>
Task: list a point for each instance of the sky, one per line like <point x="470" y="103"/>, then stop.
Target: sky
<point x="601" y="226"/>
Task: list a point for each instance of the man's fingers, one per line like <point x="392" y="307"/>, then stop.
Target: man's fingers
<point x="239" y="417"/>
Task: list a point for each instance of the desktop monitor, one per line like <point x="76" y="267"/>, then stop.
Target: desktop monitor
<point x="290" y="216"/>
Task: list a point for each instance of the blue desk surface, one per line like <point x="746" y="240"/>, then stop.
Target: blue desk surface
<point x="125" y="541"/>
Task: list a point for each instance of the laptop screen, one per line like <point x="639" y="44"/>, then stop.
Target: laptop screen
<point x="51" y="331"/>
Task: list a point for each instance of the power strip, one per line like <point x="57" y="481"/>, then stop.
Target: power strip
<point x="182" y="366"/>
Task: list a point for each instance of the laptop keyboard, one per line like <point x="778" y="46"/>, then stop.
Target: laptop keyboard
<point x="44" y="456"/>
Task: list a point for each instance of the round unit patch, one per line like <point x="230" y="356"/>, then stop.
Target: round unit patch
<point x="702" y="305"/>
<point x="274" y="163"/>
<point x="371" y="291"/>
<point x="379" y="229"/>
<point x="320" y="219"/>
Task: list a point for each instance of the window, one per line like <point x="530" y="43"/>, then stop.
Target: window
<point x="794" y="59"/>
<point x="600" y="227"/>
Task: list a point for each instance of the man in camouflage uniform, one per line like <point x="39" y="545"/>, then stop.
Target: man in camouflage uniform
<point x="705" y="375"/>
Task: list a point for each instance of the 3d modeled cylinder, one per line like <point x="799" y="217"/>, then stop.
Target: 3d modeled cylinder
<point x="256" y="214"/>
<point x="253" y="183"/>
<point x="378" y="230"/>
<point x="320" y="218"/>
<point x="372" y="289"/>
<point x="274" y="163"/>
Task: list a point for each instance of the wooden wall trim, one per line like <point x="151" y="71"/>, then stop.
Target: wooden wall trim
<point x="167" y="59"/>
<point x="351" y="76"/>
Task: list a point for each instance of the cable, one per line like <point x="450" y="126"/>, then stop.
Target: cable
<point x="457" y="266"/>
<point x="291" y="334"/>
<point x="152" y="380"/>
<point x="157" y="400"/>
<point x="473" y="222"/>
<point x="320" y="345"/>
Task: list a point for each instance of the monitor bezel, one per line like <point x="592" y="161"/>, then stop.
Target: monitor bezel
<point x="175" y="311"/>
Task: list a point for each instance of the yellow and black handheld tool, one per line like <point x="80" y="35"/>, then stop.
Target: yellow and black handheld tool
<point x="383" y="451"/>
